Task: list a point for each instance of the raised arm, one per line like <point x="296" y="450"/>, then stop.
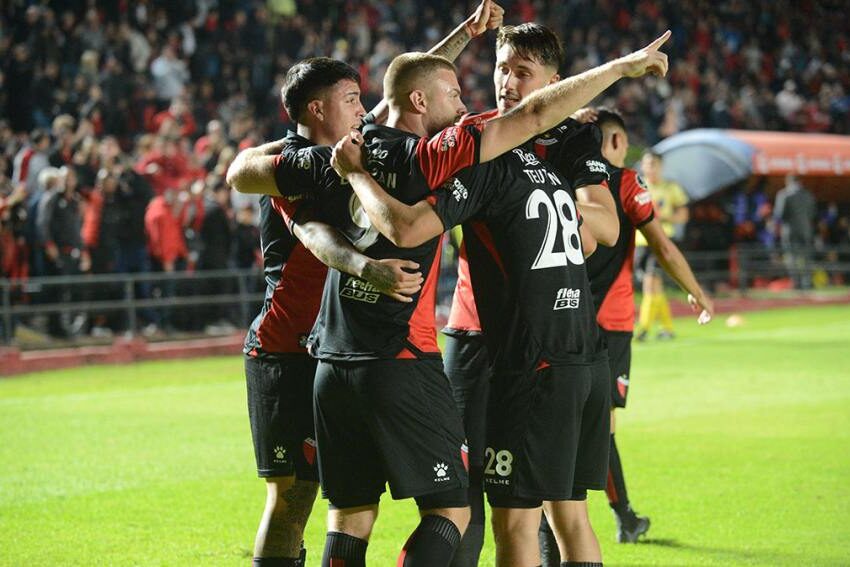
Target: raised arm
<point x="675" y="264"/>
<point x="405" y="226"/>
<point x="549" y="106"/>
<point x="253" y="169"/>
<point x="487" y="16"/>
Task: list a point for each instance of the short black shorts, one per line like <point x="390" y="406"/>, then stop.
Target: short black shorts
<point x="387" y="421"/>
<point x="620" y="361"/>
<point x="645" y="263"/>
<point x="468" y="368"/>
<point x="548" y="434"/>
<point x="280" y="408"/>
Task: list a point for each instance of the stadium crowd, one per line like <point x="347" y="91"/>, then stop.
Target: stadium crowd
<point x="119" y="119"/>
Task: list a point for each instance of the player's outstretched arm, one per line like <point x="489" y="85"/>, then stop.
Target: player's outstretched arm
<point x="405" y="226"/>
<point x="487" y="16"/>
<point x="394" y="278"/>
<point x="551" y="105"/>
<point x="253" y="169"/>
<point x="675" y="264"/>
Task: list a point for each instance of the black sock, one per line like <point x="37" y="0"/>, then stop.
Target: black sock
<point x="344" y="550"/>
<point x="550" y="555"/>
<point x="618" y="498"/>
<point x="580" y="564"/>
<point x="432" y="544"/>
<point x="469" y="550"/>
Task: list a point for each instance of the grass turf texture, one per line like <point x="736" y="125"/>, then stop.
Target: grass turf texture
<point x="735" y="443"/>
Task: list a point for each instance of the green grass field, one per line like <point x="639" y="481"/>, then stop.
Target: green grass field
<point x="735" y="443"/>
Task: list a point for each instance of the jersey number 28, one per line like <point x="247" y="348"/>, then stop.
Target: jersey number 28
<point x="560" y="210"/>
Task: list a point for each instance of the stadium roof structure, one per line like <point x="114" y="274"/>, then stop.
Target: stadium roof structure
<point x="707" y="160"/>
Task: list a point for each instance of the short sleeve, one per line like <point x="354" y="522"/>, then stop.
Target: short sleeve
<point x="577" y="156"/>
<point x="448" y="152"/>
<point x="299" y="171"/>
<point x="635" y="198"/>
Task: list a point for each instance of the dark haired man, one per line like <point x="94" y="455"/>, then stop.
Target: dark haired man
<point x="528" y="57"/>
<point x="322" y="96"/>
<point x="610" y="271"/>
<point x="528" y="463"/>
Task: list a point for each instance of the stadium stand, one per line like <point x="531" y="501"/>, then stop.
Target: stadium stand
<point x="119" y="119"/>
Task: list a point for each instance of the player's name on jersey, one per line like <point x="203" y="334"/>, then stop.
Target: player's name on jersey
<point x="359" y="290"/>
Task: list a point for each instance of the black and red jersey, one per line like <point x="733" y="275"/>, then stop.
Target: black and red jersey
<point x="610" y="268"/>
<point x="355" y="321"/>
<point x="526" y="262"/>
<point x="574" y="149"/>
<point x="294" y="279"/>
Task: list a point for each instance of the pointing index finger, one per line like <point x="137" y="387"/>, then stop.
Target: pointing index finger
<point x="660" y="41"/>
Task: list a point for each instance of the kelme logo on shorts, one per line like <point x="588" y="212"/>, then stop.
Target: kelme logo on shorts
<point x="442" y="471"/>
<point x="279" y="454"/>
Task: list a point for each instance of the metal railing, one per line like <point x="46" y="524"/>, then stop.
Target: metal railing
<point x="139" y="299"/>
<point x="152" y="295"/>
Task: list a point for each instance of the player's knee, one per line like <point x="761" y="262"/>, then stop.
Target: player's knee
<point x="356" y="522"/>
<point x="292" y="500"/>
<point x="513" y="523"/>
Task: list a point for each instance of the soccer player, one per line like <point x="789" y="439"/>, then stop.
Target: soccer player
<point x="610" y="271"/>
<point x="323" y="96"/>
<point x="542" y="336"/>
<point x="528" y="57"/>
<point x="672" y="212"/>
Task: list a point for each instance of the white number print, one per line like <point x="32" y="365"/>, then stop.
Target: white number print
<point x="503" y="459"/>
<point x="562" y="211"/>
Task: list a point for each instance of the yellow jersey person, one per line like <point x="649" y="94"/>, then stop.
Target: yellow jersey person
<point x="671" y="210"/>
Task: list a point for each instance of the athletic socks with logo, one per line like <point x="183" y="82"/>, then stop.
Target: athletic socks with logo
<point x="432" y="544"/>
<point x="618" y="497"/>
<point x="469" y="550"/>
<point x="299" y="561"/>
<point x="343" y="550"/>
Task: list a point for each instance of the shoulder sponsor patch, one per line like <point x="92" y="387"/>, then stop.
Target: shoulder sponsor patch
<point x="596" y="166"/>
<point x="449" y="139"/>
<point x="459" y="191"/>
<point x="304" y="158"/>
<point x="643" y="198"/>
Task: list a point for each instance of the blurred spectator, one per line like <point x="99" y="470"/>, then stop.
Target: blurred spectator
<point x="176" y="120"/>
<point x="170" y="75"/>
<point x="217" y="234"/>
<point x="60" y="219"/>
<point x="30" y="160"/>
<point x="794" y="212"/>
<point x="166" y="244"/>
